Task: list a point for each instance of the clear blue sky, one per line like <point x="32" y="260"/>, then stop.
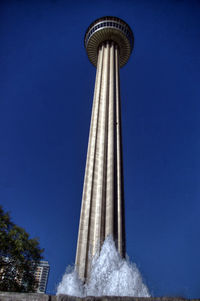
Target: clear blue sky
<point x="46" y="90"/>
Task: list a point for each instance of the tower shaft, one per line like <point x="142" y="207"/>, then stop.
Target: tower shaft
<point x="102" y="211"/>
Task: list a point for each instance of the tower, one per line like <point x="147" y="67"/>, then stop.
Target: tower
<point x="109" y="43"/>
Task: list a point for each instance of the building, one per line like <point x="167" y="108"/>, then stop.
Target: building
<point x="109" y="43"/>
<point x="41" y="275"/>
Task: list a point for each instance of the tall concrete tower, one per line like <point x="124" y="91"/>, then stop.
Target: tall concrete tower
<point x="109" y="43"/>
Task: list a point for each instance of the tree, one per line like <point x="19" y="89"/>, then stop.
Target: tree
<point x="19" y="257"/>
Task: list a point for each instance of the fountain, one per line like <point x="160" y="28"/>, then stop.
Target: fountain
<point x="111" y="275"/>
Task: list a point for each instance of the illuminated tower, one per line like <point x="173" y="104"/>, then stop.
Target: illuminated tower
<point x="109" y="42"/>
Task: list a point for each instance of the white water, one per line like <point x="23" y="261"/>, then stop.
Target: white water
<point x="110" y="276"/>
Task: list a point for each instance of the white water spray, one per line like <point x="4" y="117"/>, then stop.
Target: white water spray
<point x="110" y="276"/>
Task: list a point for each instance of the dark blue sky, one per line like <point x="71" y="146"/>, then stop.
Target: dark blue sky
<point x="46" y="95"/>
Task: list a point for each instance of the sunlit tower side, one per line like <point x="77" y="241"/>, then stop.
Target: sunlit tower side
<point x="109" y="43"/>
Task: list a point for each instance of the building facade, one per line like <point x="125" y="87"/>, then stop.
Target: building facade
<point x="41" y="275"/>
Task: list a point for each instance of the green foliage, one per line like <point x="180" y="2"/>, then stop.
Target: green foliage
<point x="19" y="256"/>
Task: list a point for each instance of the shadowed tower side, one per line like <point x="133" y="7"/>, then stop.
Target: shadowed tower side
<point x="109" y="42"/>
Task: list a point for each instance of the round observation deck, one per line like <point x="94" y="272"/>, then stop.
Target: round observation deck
<point x="109" y="29"/>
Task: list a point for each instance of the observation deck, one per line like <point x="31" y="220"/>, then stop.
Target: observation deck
<point x="109" y="29"/>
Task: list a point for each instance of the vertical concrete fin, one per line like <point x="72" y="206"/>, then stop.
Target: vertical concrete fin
<point x="120" y="184"/>
<point x="109" y="220"/>
<point x="82" y="244"/>
<point x="100" y="162"/>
